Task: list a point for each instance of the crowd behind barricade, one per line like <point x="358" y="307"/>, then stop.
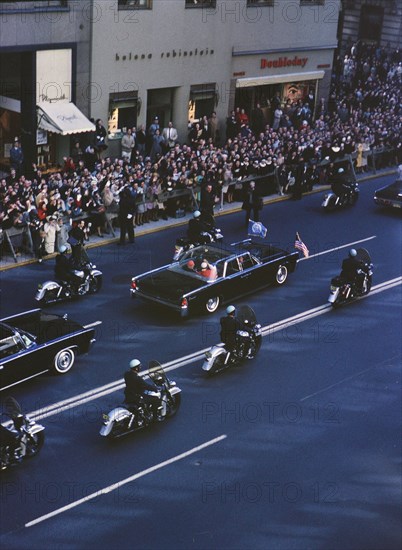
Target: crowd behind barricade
<point x="290" y="153"/>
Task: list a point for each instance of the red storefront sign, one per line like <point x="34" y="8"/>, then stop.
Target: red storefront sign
<point x="283" y="62"/>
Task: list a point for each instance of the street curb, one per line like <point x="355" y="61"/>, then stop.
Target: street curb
<point x="184" y="221"/>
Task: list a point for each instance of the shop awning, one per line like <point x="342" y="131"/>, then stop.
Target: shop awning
<point x="62" y="118"/>
<point x="278" y="79"/>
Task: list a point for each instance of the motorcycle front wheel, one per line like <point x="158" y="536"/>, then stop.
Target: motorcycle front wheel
<point x="34" y="444"/>
<point x="255" y="347"/>
<point x="95" y="285"/>
<point x="174" y="405"/>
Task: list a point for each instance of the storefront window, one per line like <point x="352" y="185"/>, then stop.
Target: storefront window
<point x="312" y="2"/>
<point x="202" y="101"/>
<point x="260" y="3"/>
<point x="200" y="3"/>
<point x="135" y="4"/>
<point x="37" y="4"/>
<point x="123" y="111"/>
<point x="159" y="103"/>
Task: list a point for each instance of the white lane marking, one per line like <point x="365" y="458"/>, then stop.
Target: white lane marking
<point x="337" y="248"/>
<point x="130" y="479"/>
<point x="183" y="361"/>
<point x="335" y="384"/>
<point x="94" y="324"/>
<point x="348" y="378"/>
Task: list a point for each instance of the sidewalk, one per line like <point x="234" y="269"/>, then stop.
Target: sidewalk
<point x="7" y="261"/>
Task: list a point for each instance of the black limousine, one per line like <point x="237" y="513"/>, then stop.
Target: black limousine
<point x="209" y="276"/>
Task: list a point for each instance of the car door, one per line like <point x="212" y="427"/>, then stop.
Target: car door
<point x="14" y="365"/>
<point x="233" y="285"/>
<point x="251" y="276"/>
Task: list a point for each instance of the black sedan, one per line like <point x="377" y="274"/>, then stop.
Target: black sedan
<point x="35" y="342"/>
<point x="390" y="195"/>
<point x="209" y="276"/>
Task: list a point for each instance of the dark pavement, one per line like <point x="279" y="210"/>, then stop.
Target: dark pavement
<point x="311" y="457"/>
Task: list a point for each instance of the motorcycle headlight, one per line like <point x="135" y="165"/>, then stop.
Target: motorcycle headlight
<point x="333" y="288"/>
<point x="40" y="286"/>
<point x="208" y="355"/>
<point x="105" y="417"/>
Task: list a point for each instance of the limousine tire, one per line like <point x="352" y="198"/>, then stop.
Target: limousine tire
<point x="63" y="361"/>
<point x="281" y="275"/>
<point x="212" y="304"/>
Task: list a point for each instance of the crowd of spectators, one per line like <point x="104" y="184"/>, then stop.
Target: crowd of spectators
<point x="363" y="112"/>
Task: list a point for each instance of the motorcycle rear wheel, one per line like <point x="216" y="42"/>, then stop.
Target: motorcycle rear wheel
<point x="217" y="366"/>
<point x="49" y="297"/>
<point x="34" y="444"/>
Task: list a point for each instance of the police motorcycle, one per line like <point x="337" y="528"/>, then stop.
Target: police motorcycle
<point x="248" y="343"/>
<point x="343" y="290"/>
<point x="211" y="234"/>
<point x="87" y="280"/>
<point x="122" y="421"/>
<point x="345" y="192"/>
<point x="24" y="439"/>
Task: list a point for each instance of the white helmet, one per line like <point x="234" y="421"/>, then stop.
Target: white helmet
<point x="62" y="248"/>
<point x="341" y="170"/>
<point x="135" y="364"/>
<point x="230" y="309"/>
<point x="352" y="253"/>
<point x="197" y="214"/>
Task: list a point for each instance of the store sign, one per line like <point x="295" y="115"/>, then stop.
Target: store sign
<point x="285" y="61"/>
<point x="53" y="76"/>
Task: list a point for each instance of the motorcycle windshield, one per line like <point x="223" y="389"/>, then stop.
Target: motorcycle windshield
<point x="246" y="313"/>
<point x="363" y="255"/>
<point x="156" y="373"/>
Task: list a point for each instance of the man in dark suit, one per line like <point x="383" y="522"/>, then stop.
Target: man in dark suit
<point x="126" y="215"/>
<point x="252" y="203"/>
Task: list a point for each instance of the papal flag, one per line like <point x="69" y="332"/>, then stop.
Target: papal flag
<point x="299" y="244"/>
<point x="256" y="229"/>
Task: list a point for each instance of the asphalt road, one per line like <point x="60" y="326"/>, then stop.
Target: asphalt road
<point x="299" y="448"/>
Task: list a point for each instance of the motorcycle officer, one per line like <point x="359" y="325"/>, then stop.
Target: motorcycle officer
<point x="340" y="186"/>
<point x="64" y="268"/>
<point x="354" y="270"/>
<point x="137" y="387"/>
<point x="230" y="324"/>
<point x="198" y="228"/>
<point x="9" y="441"/>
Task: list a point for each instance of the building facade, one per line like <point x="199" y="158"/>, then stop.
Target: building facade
<point x="182" y="59"/>
<point x="44" y="78"/>
<point x="127" y="61"/>
<point x="373" y="21"/>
